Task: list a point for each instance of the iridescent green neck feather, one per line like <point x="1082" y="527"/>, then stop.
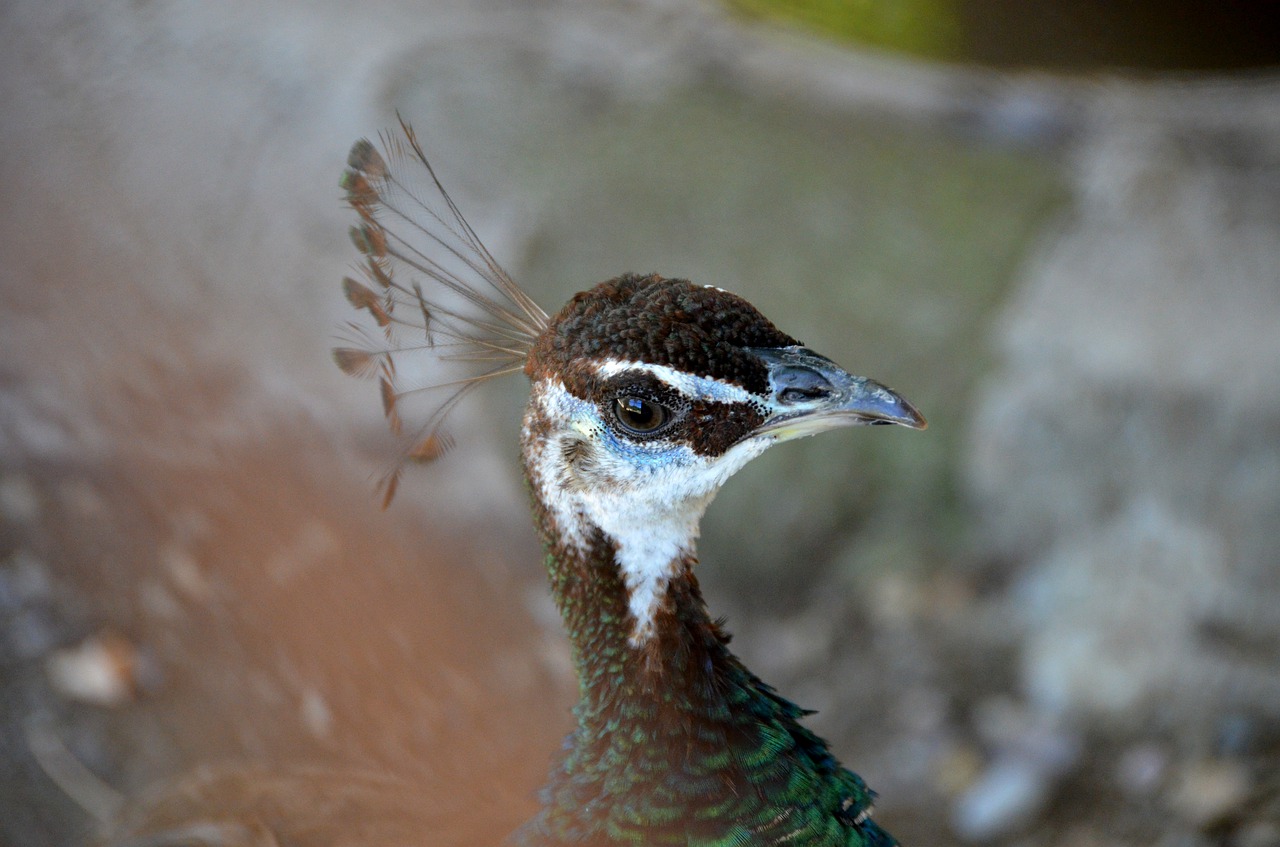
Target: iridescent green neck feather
<point x="677" y="742"/>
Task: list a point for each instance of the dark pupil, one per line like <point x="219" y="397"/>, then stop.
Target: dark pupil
<point x="640" y="415"/>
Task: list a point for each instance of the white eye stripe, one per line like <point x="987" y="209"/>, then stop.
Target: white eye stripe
<point x="686" y="384"/>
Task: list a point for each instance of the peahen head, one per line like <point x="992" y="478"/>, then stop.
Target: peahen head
<point x="648" y="393"/>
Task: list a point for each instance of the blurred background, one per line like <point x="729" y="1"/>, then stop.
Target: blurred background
<point x="1052" y="619"/>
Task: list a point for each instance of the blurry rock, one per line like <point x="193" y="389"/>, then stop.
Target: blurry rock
<point x="923" y="710"/>
<point x="1033" y="755"/>
<point x="158" y="601"/>
<point x="1113" y="651"/>
<point x="799" y="641"/>
<point x="1086" y="835"/>
<point x="1001" y="721"/>
<point x="957" y="769"/>
<point x="316" y="715"/>
<point x="1141" y="769"/>
<point x="24" y="580"/>
<point x="1260" y="834"/>
<point x="19" y="501"/>
<point x="1205" y="793"/>
<point x="184" y="570"/>
<point x="896" y="599"/>
<point x="62" y="761"/>
<point x="1128" y="447"/>
<point x="1007" y="797"/>
<point x="27" y="628"/>
<point x="310" y="545"/>
<point x="82" y="496"/>
<point x="31" y="633"/>
<point x="1242" y="735"/>
<point x="105" y="670"/>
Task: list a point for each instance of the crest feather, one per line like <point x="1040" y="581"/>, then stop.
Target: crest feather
<point x="433" y="290"/>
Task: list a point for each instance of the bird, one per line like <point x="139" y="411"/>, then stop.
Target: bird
<point x="646" y="394"/>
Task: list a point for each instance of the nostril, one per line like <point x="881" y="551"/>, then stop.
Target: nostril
<point x="798" y="384"/>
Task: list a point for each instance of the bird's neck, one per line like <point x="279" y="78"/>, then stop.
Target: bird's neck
<point x="654" y="719"/>
<point x="674" y="737"/>
<point x="621" y="572"/>
<point x="620" y="676"/>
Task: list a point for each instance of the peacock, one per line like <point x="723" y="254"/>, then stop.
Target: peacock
<point x="647" y="393"/>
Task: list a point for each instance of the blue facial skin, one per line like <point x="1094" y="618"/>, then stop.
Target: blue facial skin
<point x="647" y="455"/>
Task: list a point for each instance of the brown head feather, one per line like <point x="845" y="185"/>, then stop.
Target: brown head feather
<point x="695" y="328"/>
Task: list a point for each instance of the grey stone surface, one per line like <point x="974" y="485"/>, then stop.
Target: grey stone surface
<point x="1127" y="446"/>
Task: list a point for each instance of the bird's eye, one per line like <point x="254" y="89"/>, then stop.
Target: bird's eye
<point x="638" y="415"/>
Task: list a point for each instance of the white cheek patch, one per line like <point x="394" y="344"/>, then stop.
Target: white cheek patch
<point x="652" y="543"/>
<point x="584" y="425"/>
<point x="648" y="498"/>
<point x="655" y="525"/>
<point x="548" y="471"/>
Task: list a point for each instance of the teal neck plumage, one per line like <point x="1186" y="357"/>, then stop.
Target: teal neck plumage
<point x="677" y="742"/>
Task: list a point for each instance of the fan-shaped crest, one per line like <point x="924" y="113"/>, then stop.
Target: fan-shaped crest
<point x="430" y="286"/>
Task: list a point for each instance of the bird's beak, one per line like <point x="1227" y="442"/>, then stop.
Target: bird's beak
<point x="810" y="394"/>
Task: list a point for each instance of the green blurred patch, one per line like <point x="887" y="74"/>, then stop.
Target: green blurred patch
<point x="929" y="28"/>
